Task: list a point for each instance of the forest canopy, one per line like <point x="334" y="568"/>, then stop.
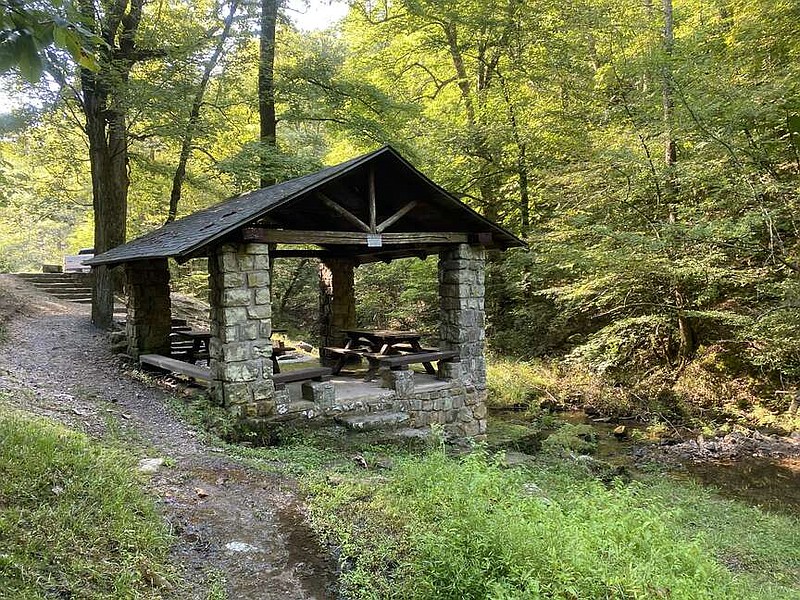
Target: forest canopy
<point x="648" y="152"/>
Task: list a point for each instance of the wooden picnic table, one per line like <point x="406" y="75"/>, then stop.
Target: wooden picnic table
<point x="199" y="341"/>
<point x="375" y="343"/>
<point x="199" y="348"/>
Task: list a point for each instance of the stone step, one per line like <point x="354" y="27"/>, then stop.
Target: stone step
<point x="67" y="292"/>
<point x="47" y="277"/>
<point x="372" y="421"/>
<point x="59" y="285"/>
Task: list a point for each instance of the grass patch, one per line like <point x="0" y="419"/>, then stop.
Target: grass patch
<point x="73" y="518"/>
<point x="442" y="527"/>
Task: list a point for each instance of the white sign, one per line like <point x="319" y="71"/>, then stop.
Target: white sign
<point x="74" y="263"/>
<point x="374" y="240"/>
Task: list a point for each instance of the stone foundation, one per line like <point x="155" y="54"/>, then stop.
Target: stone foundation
<point x="459" y="409"/>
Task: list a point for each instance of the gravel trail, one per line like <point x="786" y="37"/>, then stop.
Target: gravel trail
<point x="231" y="522"/>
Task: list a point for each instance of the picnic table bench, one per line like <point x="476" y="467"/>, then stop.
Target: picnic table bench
<point x="204" y="373"/>
<point x="176" y="366"/>
<point x="378" y="342"/>
<point x="388" y="349"/>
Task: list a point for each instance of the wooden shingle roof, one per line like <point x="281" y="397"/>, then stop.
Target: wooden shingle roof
<point x="304" y="204"/>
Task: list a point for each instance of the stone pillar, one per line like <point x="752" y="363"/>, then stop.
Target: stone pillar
<point x="461" y="295"/>
<point x="337" y="303"/>
<point x="149" y="320"/>
<point x="241" y="323"/>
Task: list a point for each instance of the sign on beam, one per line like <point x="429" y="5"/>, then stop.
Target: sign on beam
<point x="374" y="240"/>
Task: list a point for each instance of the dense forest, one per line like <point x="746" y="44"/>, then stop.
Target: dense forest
<point x="648" y="152"/>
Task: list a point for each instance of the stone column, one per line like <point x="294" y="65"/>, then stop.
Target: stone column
<point x="337" y="303"/>
<point x="461" y="294"/>
<point x="241" y="323"/>
<point x="149" y="320"/>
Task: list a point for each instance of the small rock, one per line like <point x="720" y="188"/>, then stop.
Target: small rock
<point x="305" y="346"/>
<point x="385" y="463"/>
<point x="241" y="547"/>
<point x="514" y="459"/>
<point x="201" y="493"/>
<point x="150" y="465"/>
<point x="620" y="432"/>
<point x="360" y="461"/>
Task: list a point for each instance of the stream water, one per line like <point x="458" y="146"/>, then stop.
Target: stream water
<point x="771" y="483"/>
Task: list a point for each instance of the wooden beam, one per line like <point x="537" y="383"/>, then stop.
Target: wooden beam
<point x="289" y="236"/>
<point x="372" y="209"/>
<point x="421" y="254"/>
<point x="396" y="216"/>
<point x="344" y="212"/>
<point x="306" y="253"/>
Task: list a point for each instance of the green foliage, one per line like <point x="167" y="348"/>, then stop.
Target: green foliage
<point x="28" y="29"/>
<point x="573" y="438"/>
<point x="446" y="528"/>
<point x="515" y="384"/>
<point x="73" y="518"/>
<point x="402" y="295"/>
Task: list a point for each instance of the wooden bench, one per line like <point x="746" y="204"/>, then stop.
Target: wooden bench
<point x="313" y="373"/>
<point x="400" y="361"/>
<point x="176" y="366"/>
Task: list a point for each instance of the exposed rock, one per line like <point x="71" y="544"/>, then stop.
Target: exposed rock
<point x="150" y="465"/>
<point x="241" y="547"/>
<point x="732" y="446"/>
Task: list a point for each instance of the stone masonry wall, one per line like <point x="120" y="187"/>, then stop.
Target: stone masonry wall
<point x="461" y="328"/>
<point x="148" y="321"/>
<point x="241" y="324"/>
<point x="461" y="294"/>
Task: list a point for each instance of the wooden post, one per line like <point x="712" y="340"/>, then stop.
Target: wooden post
<point x="372" y="208"/>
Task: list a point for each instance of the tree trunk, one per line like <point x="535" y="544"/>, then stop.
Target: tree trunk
<point x="107" y="133"/>
<point x="108" y="159"/>
<point x="194" y="115"/>
<point x="266" y="87"/>
<point x="668" y="107"/>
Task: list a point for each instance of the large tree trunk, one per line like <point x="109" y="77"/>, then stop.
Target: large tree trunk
<point x="106" y="130"/>
<point x="266" y="87"/>
<point x="108" y="153"/>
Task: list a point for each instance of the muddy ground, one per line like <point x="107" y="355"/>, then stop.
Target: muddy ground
<point x="231" y="522"/>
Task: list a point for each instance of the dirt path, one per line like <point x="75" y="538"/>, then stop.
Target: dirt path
<point x="230" y="521"/>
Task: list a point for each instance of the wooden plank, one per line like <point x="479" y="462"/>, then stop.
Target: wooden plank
<point x="397" y="216"/>
<point x="176" y="366"/>
<point x="418" y="357"/>
<point x="339" y="209"/>
<point x="290" y="236"/>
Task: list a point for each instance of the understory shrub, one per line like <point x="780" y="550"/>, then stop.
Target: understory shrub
<point x="442" y="528"/>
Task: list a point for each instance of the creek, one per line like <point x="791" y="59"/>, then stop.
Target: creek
<point x="771" y="481"/>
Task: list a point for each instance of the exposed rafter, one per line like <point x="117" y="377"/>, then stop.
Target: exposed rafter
<point x="396" y="216"/>
<point x="338" y="208"/>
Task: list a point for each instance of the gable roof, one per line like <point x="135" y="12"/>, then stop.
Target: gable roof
<point x="294" y="204"/>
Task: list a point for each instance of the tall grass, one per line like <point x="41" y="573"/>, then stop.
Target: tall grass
<point x="443" y="528"/>
<point x="74" y="521"/>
